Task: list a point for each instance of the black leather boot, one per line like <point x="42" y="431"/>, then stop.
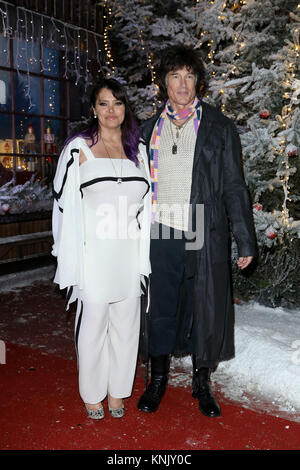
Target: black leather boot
<point x="208" y="405"/>
<point x="151" y="398"/>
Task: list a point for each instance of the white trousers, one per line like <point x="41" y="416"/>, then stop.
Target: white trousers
<point x="107" y="338"/>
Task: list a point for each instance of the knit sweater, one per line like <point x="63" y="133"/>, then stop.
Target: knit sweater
<point x="175" y="175"/>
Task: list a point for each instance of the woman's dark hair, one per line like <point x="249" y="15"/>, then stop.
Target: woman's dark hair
<point x="129" y="127"/>
<point x="175" y="58"/>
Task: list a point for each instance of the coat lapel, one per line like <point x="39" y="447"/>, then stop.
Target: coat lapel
<point x="203" y="133"/>
<point x="198" y="169"/>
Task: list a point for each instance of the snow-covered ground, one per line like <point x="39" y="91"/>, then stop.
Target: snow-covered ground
<point x="265" y="373"/>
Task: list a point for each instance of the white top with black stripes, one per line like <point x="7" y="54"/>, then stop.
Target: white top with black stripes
<point x="111" y="212"/>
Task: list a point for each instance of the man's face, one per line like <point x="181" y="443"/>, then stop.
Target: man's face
<point x="181" y="87"/>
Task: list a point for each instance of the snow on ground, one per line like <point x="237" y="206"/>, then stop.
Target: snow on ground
<point x="265" y="373"/>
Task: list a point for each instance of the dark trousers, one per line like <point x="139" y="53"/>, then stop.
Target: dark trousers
<point x="171" y="294"/>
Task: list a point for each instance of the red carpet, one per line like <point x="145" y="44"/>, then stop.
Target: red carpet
<point x="40" y="409"/>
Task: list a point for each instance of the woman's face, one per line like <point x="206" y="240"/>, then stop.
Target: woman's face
<point x="109" y="110"/>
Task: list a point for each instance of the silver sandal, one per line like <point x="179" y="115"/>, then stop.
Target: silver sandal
<point x="117" y="413"/>
<point x="95" y="414"/>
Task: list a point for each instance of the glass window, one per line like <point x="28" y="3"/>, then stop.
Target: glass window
<point x="6" y="143"/>
<point x="5" y="91"/>
<point x="51" y="97"/>
<point x="4" y="51"/>
<point x="5" y="126"/>
<point x="50" y="62"/>
<point x="78" y="108"/>
<point x="26" y="56"/>
<point x="27" y="94"/>
<point x="41" y="108"/>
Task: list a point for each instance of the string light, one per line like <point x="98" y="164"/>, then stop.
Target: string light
<point x="149" y="65"/>
<point x="212" y="48"/>
<point x="27" y="20"/>
<point x="291" y="64"/>
<point x="107" y="44"/>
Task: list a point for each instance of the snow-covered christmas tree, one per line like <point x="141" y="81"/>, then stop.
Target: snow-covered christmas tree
<point x="253" y="57"/>
<point x="251" y="51"/>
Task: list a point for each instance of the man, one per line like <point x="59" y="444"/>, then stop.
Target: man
<point x="198" y="185"/>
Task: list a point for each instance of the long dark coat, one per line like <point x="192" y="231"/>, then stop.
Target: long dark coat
<point x="218" y="184"/>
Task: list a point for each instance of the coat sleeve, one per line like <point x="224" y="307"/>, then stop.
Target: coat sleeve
<point x="236" y="195"/>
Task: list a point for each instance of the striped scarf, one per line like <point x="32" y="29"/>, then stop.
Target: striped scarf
<point x="182" y="115"/>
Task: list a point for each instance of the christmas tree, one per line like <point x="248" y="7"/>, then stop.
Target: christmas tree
<point x="254" y="64"/>
<point x="251" y="51"/>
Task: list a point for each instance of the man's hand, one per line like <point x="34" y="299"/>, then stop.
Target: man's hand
<point x="243" y="262"/>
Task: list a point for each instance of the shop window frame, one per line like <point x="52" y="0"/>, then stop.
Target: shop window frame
<point x="12" y="113"/>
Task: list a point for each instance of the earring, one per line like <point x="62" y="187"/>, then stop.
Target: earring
<point x="95" y="116"/>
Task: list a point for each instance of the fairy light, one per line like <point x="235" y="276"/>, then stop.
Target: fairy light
<point x="69" y="38"/>
<point x="285" y="119"/>
<point x="107" y="45"/>
<point x="240" y="46"/>
<point x="149" y="66"/>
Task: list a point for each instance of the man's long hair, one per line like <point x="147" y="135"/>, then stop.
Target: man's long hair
<point x="175" y="58"/>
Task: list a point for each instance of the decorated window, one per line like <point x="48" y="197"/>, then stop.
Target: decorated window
<point x="45" y="74"/>
<point x="34" y="109"/>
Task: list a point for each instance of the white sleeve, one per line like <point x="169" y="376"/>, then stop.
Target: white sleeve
<point x="65" y="161"/>
<point x="67" y="222"/>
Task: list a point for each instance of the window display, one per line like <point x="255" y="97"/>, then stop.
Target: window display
<point x="49" y="139"/>
<point x="33" y="109"/>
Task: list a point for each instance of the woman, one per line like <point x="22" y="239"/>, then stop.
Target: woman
<point x="101" y="230"/>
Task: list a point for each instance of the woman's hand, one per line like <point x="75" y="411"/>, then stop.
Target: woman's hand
<point x="244" y="261"/>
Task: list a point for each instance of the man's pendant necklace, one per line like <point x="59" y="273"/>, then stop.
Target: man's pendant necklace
<point x="174" y="146"/>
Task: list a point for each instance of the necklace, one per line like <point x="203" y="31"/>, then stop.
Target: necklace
<point x="197" y="111"/>
<point x="119" y="178"/>
<point x="178" y="134"/>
